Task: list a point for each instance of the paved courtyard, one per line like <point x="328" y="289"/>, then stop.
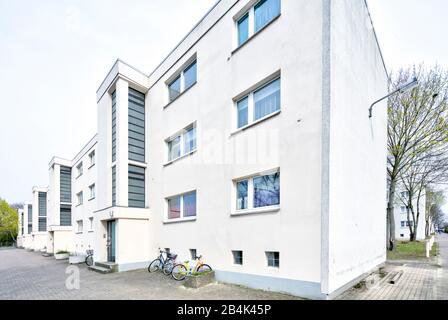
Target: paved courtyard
<point x="418" y="280"/>
<point x="29" y="275"/>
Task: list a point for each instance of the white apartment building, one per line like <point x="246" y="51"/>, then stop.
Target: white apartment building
<point x="402" y="231"/>
<point x="250" y="144"/>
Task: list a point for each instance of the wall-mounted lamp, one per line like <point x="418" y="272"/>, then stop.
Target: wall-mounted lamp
<point x="411" y="85"/>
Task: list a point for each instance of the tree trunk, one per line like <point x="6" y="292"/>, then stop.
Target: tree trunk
<point x="390" y="216"/>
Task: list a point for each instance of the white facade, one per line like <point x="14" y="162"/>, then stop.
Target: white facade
<point x="402" y="231"/>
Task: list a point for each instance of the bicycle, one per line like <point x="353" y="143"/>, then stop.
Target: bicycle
<point x="182" y="270"/>
<point x="164" y="264"/>
<point x="89" y="258"/>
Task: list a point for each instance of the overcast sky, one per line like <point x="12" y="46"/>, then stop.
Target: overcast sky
<point x="54" y="55"/>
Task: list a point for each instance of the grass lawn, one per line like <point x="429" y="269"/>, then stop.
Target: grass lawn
<point x="411" y="251"/>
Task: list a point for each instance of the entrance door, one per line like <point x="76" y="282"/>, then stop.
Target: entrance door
<point x="111" y="241"/>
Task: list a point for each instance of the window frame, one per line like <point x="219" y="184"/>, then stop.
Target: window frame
<point x="91" y="219"/>
<point x="182" y="217"/>
<point x="182" y="139"/>
<point x="250" y="96"/>
<point x="251" y="209"/>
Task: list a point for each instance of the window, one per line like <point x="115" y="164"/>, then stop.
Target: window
<point x="186" y="79"/>
<point x="404" y="224"/>
<point x="258" y="104"/>
<point x="193" y="253"/>
<point x="273" y="259"/>
<point x="401" y="235"/>
<point x="182" y="143"/>
<point x="256" y="18"/>
<point x="91" y="223"/>
<point x="182" y="206"/>
<point x="258" y="192"/>
<point x="92" y="158"/>
<point x="80" y="225"/>
<point x="79" y="169"/>
<point x="403" y="209"/>
<point x="92" y="191"/>
<point x="267" y="190"/>
<point x="405" y="194"/>
<point x="79" y="198"/>
<point x="114" y="186"/>
<point x="237" y="257"/>
<point x="242" y="194"/>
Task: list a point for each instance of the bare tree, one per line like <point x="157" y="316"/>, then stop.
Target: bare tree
<point x="417" y="125"/>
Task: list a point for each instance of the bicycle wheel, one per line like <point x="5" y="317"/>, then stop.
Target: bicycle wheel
<point x="168" y="267"/>
<point x="179" y="272"/>
<point x="204" y="268"/>
<point x="156" y="265"/>
<point x="89" y="260"/>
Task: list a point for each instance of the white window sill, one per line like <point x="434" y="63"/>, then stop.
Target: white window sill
<point x="138" y="164"/>
<point x="180" y="158"/>
<point x="276" y="113"/>
<point x="272" y="209"/>
<point x="169" y="221"/>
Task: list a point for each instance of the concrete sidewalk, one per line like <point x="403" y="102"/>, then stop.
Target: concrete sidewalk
<point x="420" y="280"/>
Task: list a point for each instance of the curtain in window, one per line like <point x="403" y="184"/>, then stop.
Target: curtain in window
<point x="265" y="11"/>
<point x="174" y="208"/>
<point x="267" y="100"/>
<point x="267" y="190"/>
<point x="190" y="205"/>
